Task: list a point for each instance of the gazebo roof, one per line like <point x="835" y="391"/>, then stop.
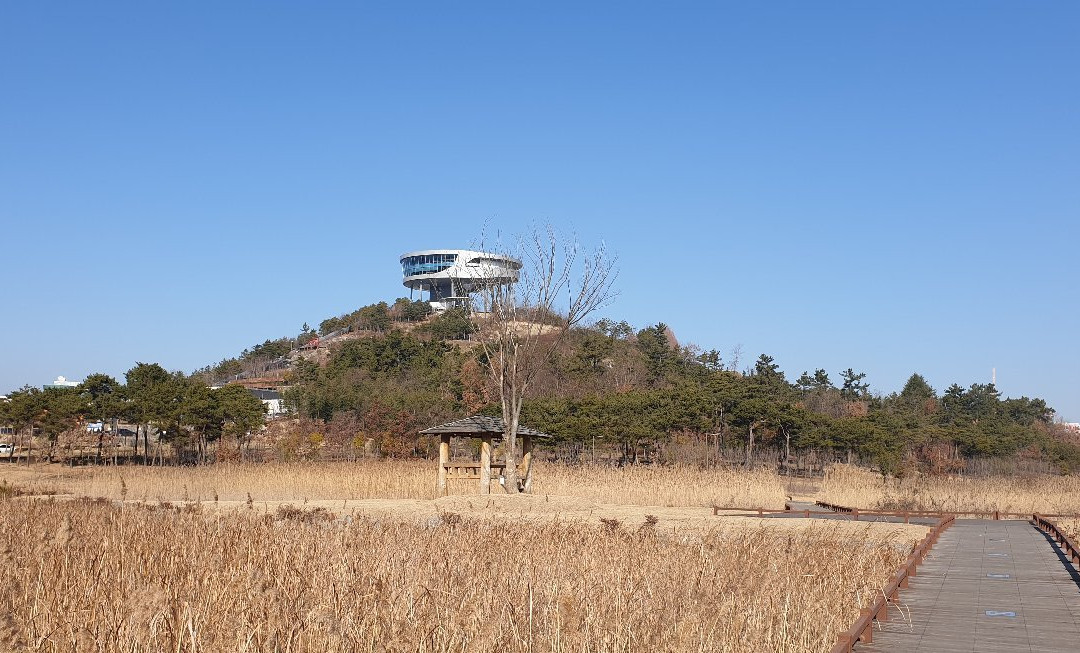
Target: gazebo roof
<point x="479" y="425"/>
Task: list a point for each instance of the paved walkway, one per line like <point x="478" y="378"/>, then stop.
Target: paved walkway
<point x="986" y="586"/>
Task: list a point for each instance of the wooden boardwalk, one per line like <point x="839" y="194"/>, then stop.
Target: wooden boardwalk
<point x="987" y="586"/>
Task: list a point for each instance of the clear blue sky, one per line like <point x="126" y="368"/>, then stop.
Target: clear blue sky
<point x="893" y="187"/>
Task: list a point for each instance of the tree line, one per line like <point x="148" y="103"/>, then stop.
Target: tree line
<point x="176" y="409"/>
<point x="636" y="392"/>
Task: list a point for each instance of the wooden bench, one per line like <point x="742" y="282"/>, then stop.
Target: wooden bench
<point x="470" y="471"/>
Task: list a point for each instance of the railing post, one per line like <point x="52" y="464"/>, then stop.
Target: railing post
<point x="843" y="643"/>
<point x="867" y="635"/>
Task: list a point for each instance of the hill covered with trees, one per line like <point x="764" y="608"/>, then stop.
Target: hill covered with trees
<point x="637" y="392"/>
<point x="383" y="372"/>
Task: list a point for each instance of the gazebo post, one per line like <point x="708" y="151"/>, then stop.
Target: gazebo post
<point x="526" y="461"/>
<point x="485" y="465"/>
<point x="444" y="457"/>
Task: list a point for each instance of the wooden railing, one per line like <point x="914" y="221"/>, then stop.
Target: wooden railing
<point x="996" y="514"/>
<point x="854" y="513"/>
<point x="829" y="510"/>
<point x="863" y="628"/>
<point x="1067" y="544"/>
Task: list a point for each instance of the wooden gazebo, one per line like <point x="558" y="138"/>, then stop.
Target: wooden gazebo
<point x="488" y="430"/>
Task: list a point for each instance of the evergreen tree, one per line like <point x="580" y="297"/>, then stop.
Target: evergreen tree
<point x="854" y="387"/>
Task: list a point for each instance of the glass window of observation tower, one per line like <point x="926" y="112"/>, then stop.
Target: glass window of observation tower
<point x="426" y="264"/>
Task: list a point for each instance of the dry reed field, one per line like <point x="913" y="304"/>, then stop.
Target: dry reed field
<point x="661" y="486"/>
<point x="860" y="488"/>
<point x="89" y="575"/>
<point x="1071" y="527"/>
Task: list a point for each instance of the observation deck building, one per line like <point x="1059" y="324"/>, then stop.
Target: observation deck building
<point x="449" y="276"/>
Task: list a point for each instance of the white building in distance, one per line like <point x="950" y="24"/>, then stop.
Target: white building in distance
<point x="60" y="382"/>
<point x="271" y="399"/>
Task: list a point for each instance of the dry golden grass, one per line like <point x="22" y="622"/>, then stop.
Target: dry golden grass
<point x="236" y="482"/>
<point x="1071" y="527"/>
<point x="856" y="487"/>
<point x="94" y="576"/>
<point x="663" y="486"/>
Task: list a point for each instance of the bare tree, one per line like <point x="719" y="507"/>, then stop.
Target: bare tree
<point x="523" y="322"/>
<point x="736" y="354"/>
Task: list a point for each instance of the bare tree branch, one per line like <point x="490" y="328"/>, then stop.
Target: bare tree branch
<point x="521" y="320"/>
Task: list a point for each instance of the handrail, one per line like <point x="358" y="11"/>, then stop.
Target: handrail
<point x="854" y="513"/>
<point x="996" y="514"/>
<point x="863" y="628"/>
<point x="834" y="507"/>
<point x="1072" y="551"/>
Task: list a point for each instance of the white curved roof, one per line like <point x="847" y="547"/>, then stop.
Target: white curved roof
<point x="469" y="270"/>
<point x="467" y="254"/>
